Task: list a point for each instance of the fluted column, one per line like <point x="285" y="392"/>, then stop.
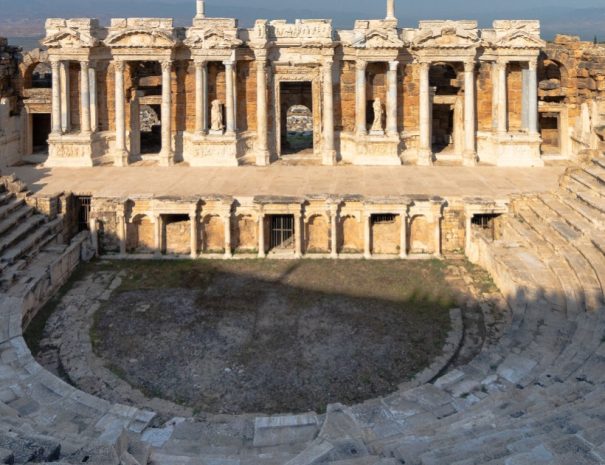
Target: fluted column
<point x="329" y="152"/>
<point x="502" y="97"/>
<point x="201" y="97"/>
<point x="193" y="219"/>
<point x="121" y="153"/>
<point x="425" y="152"/>
<point x="403" y="239"/>
<point x="166" y="155"/>
<point x="334" y="230"/>
<point x="298" y="235"/>
<point x="392" y="98"/>
<point x="94" y="112"/>
<point x="84" y="97"/>
<point x="533" y="97"/>
<point x="56" y="97"/>
<point x="262" y="156"/>
<point x="229" y="97"/>
<point x="65" y="97"/>
<point x="470" y="133"/>
<point x="360" y="93"/>
<point x="261" y="236"/>
<point x="367" y="235"/>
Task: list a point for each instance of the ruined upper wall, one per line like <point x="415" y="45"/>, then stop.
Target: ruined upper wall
<point x="9" y="68"/>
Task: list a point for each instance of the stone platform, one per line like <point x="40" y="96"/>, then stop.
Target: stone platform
<point x="181" y="181"/>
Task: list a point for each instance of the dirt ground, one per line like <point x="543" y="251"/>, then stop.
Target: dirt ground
<point x="272" y="336"/>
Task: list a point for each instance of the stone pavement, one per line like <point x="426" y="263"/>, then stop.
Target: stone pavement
<point x="444" y="181"/>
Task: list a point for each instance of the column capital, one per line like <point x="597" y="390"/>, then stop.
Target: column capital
<point x="85" y="62"/>
<point x="55" y="63"/>
<point x="200" y="62"/>
<point x="502" y="61"/>
<point x="229" y="63"/>
<point x="533" y="64"/>
<point x="469" y="65"/>
<point x="119" y="65"/>
<point x="424" y="64"/>
<point x="393" y="65"/>
<point x="361" y="65"/>
<point x="166" y="65"/>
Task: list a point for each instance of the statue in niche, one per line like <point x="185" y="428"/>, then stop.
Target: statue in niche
<point x="377" y="127"/>
<point x="216" y="116"/>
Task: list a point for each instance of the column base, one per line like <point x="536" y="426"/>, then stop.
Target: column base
<point x="263" y="158"/>
<point x="469" y="158"/>
<point x="166" y="159"/>
<point x="425" y="157"/>
<point x="121" y="158"/>
<point x="329" y="158"/>
<point x="262" y="255"/>
<point x="367" y="255"/>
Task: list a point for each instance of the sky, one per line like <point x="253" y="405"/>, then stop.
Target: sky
<point x="580" y="17"/>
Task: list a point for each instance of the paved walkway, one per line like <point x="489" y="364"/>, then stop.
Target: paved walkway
<point x="446" y="181"/>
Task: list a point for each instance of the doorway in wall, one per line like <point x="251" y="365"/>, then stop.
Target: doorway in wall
<point x="296" y="118"/>
<point x="282" y="232"/>
<point x="41" y="125"/>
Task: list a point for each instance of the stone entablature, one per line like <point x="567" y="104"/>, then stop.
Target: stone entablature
<point x="220" y="72"/>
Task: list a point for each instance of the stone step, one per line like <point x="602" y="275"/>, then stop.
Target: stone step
<point x="532" y="219"/>
<point x="588" y="181"/>
<point x="591" y="198"/>
<point x="5" y="196"/>
<point x="587" y="211"/>
<point x="16" y="217"/>
<point x="554" y="219"/>
<point x="39" y="238"/>
<point x="599" y="161"/>
<point x="19" y="232"/>
<point x="567" y="213"/>
<point x="9" y="206"/>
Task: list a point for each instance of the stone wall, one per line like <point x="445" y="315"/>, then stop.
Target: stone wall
<point x="10" y="121"/>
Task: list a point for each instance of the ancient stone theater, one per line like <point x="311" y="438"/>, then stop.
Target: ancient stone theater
<point x="474" y="155"/>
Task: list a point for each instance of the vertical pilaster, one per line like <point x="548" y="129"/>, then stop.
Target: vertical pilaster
<point x="230" y="95"/>
<point x="94" y="235"/>
<point x="403" y="239"/>
<point x="334" y="230"/>
<point x="533" y="97"/>
<point x="157" y="234"/>
<point x="437" y="223"/>
<point x="360" y="93"/>
<point x="122" y="232"/>
<point x="84" y="98"/>
<point x="65" y="97"/>
<point x="262" y="156"/>
<point x="193" y="219"/>
<point x="227" y="220"/>
<point x="56" y="96"/>
<point x="502" y="97"/>
<point x="468" y="229"/>
<point x="392" y="98"/>
<point x="298" y="235"/>
<point x="367" y="235"/>
<point x="94" y="112"/>
<point x="166" y="155"/>
<point x="425" y="152"/>
<point x="470" y="133"/>
<point x="329" y="152"/>
<point x="261" y="236"/>
<point x="121" y="153"/>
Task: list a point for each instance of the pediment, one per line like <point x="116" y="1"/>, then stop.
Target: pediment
<point x="377" y="39"/>
<point x="212" y="39"/>
<point x="520" y="39"/>
<point x="447" y="37"/>
<point x="69" y="38"/>
<point x="139" y="38"/>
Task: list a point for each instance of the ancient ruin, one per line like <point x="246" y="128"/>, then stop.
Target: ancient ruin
<point x="443" y="143"/>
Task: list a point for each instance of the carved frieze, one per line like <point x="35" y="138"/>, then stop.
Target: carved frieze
<point x="376" y="35"/>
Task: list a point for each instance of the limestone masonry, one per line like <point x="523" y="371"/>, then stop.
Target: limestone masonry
<point x="509" y="133"/>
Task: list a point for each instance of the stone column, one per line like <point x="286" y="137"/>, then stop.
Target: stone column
<point x="468" y="232"/>
<point x="392" y="98"/>
<point x="470" y="133"/>
<point x="329" y="152"/>
<point x="367" y="235"/>
<point x="502" y="97"/>
<point x="262" y="155"/>
<point x="229" y="104"/>
<point x="425" y="151"/>
<point x="121" y="153"/>
<point x="261" y="236"/>
<point x="166" y="155"/>
<point x="334" y="230"/>
<point x="227" y="220"/>
<point x="65" y="97"/>
<point x="360" y="93"/>
<point x="194" y="232"/>
<point x="157" y="234"/>
<point x="403" y="239"/>
<point x="56" y="97"/>
<point x="437" y="222"/>
<point x="297" y="235"/>
<point x="532" y="95"/>
<point x="201" y="9"/>
<point x="84" y="97"/>
<point x="94" y="235"/>
<point x="390" y="10"/>
<point x="135" y="124"/>
<point x="201" y="97"/>
<point x="122" y="232"/>
<point x="94" y="114"/>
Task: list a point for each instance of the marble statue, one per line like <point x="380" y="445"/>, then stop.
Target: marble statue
<point x="216" y="116"/>
<point x="377" y="126"/>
